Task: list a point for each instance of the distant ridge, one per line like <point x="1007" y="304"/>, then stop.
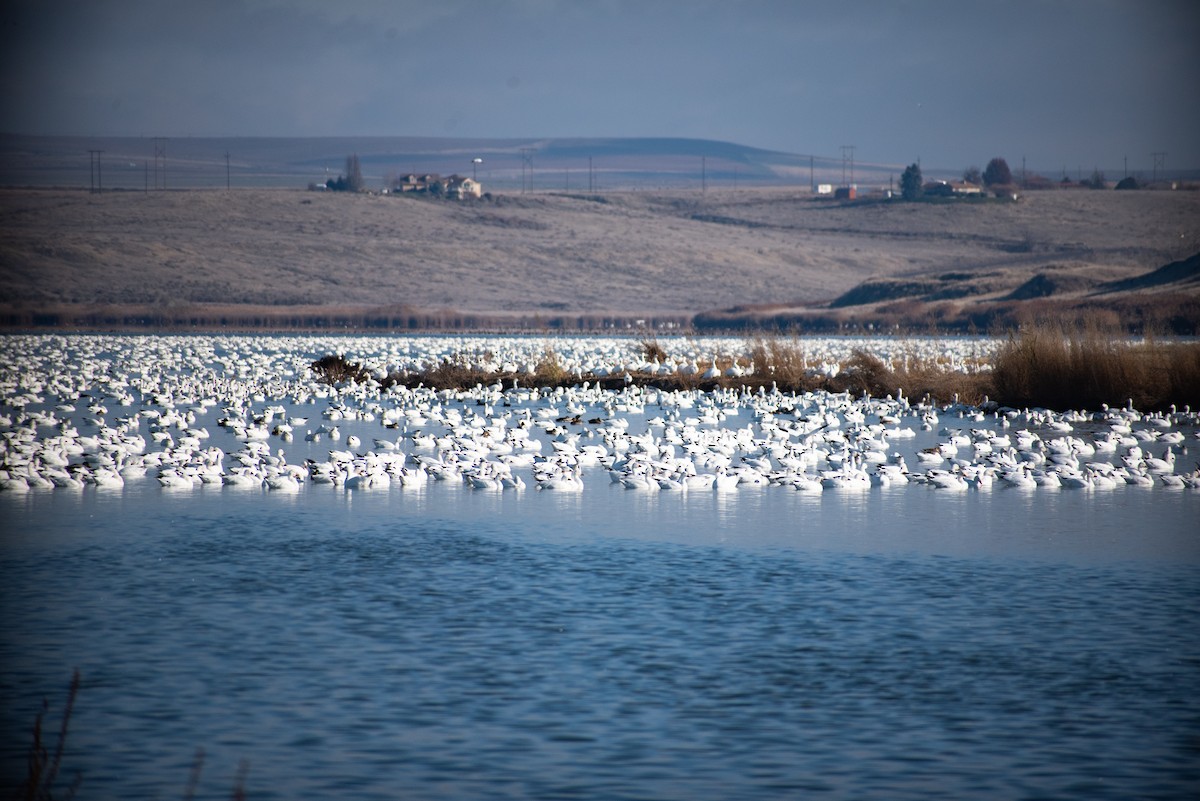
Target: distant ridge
<point x="508" y="165"/>
<point x="1180" y="273"/>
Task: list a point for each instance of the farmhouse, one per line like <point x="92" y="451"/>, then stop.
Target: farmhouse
<point x="459" y="187"/>
<point x="416" y="183"/>
<point x="453" y="186"/>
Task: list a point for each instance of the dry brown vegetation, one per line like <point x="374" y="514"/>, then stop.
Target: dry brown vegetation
<point x="1062" y="367"/>
<point x="42" y="767"/>
<point x="287" y="259"/>
<point x="1056" y="367"/>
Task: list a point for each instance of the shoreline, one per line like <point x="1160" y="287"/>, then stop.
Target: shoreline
<point x="1148" y="314"/>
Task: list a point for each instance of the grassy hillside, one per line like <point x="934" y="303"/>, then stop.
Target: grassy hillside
<point x="631" y="253"/>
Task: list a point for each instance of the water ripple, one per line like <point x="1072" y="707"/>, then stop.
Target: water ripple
<point x="468" y="659"/>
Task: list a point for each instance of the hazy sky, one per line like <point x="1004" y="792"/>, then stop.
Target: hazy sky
<point x="1062" y="82"/>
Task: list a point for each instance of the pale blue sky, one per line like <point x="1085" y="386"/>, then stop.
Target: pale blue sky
<point x="953" y="82"/>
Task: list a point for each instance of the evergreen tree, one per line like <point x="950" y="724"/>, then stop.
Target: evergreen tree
<point x="997" y="173"/>
<point x="354" y="179"/>
<point x="912" y="185"/>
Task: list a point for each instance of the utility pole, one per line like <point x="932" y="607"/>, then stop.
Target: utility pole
<point x="160" y="158"/>
<point x="227" y="170"/>
<point x="1160" y="160"/>
<point x="847" y="149"/>
<point x="526" y="161"/>
<point x="94" y="176"/>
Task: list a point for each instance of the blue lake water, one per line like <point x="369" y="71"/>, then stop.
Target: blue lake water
<point x="608" y="644"/>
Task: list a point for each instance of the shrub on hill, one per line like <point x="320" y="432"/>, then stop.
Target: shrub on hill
<point x="997" y="173"/>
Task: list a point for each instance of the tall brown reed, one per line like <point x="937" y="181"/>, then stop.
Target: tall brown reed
<point x="1088" y="366"/>
<point x="43" y="769"/>
<point x="651" y="350"/>
<point x="549" y="370"/>
<point x="782" y="361"/>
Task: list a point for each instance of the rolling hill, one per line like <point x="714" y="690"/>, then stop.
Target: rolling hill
<point x="507" y="165"/>
<point x="577" y="255"/>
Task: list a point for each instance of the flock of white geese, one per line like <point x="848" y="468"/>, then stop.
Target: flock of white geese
<point x="185" y="412"/>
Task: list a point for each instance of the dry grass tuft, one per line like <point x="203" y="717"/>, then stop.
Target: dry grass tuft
<point x="651" y="350"/>
<point x="549" y="370"/>
<point x="453" y="372"/>
<point x="43" y="768"/>
<point x="335" y="370"/>
<point x="779" y="360"/>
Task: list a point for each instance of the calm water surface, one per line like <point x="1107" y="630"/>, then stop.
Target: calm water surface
<point x="608" y="645"/>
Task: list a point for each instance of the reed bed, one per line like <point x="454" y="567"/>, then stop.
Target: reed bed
<point x="1087" y="367"/>
<point x="1047" y="366"/>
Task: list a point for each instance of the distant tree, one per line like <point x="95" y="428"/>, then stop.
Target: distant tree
<point x="911" y="183"/>
<point x="1128" y="182"/>
<point x="1096" y="181"/>
<point x="997" y="173"/>
<point x="354" y="178"/>
<point x="352" y="181"/>
<point x="972" y="175"/>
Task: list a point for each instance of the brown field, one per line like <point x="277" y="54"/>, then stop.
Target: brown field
<point x="297" y="259"/>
